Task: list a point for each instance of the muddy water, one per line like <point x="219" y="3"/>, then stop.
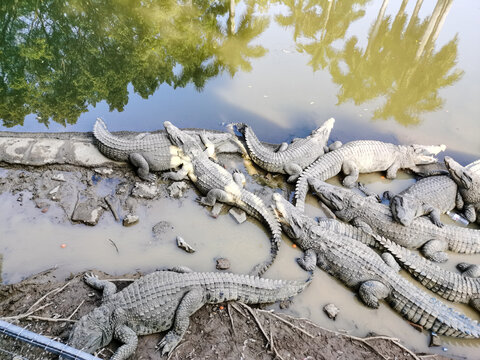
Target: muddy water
<point x="49" y="242"/>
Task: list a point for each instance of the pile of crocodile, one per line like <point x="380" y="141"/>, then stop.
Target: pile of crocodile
<point x="364" y="247"/>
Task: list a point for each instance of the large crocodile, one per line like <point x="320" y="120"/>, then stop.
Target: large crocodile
<point x="468" y="180"/>
<point x="146" y="152"/>
<point x="367" y="213"/>
<point x="291" y="158"/>
<point x="217" y="183"/>
<point x="360" y="267"/>
<point x="436" y="195"/>
<point x="165" y="300"/>
<point x="364" y="156"/>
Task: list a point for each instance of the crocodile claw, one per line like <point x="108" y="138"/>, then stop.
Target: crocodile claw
<point x="169" y="342"/>
<point x="90" y="277"/>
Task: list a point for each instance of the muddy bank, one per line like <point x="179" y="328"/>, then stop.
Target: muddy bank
<point x="226" y="331"/>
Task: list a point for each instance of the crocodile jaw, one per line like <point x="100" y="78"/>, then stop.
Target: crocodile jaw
<point x="458" y="173"/>
<point x="425" y="154"/>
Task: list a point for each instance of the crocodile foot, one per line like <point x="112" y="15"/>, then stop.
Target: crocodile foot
<point x="169" y="342"/>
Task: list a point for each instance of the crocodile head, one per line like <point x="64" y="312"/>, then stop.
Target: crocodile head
<point x="291" y="219"/>
<point x="182" y="139"/>
<point x="404" y="209"/>
<point x="325" y="129"/>
<point x="93" y="331"/>
<point x="422" y="154"/>
<point x="462" y="176"/>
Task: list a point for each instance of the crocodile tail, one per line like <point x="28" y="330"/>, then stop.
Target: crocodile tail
<point x="324" y="168"/>
<point x="447" y="284"/>
<point x="251" y="289"/>
<point x="255" y="207"/>
<point x="429" y="312"/>
<point x="463" y="240"/>
<point x="109" y="145"/>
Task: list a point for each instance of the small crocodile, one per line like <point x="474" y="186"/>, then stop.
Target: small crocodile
<point x="364" y="156"/>
<point x="291" y="158"/>
<point x="360" y="267"/>
<point x="218" y="184"/>
<point x="165" y="300"/>
<point x="373" y="217"/>
<point x="468" y="180"/>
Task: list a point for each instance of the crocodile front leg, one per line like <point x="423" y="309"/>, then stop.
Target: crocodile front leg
<point x="309" y="260"/>
<point x="372" y="291"/>
<point x="435" y="250"/>
<point x="294" y="170"/>
<point x="392" y="171"/>
<point x="129" y="339"/>
<point x="239" y="178"/>
<point x="390" y="261"/>
<point x="433" y="214"/>
<point x="143" y="169"/>
<point x="106" y="286"/>
<point x="215" y="195"/>
<point x="470" y="213"/>
<point x="179" y="175"/>
<point x="190" y="303"/>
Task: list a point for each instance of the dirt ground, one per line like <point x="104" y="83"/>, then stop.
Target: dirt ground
<point x="49" y="306"/>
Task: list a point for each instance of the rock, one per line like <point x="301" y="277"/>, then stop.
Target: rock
<point x="104" y="171"/>
<point x="144" y="191"/>
<point x="217" y="209"/>
<point x="113" y="205"/>
<point x="183" y="245"/>
<point x="239" y="215"/>
<point x="87" y="212"/>
<point x="223" y="264"/>
<point x="177" y="189"/>
<point x="331" y="310"/>
<point x="160" y="228"/>
<point x="59" y="177"/>
<point x="434" y="340"/>
<point x="122" y="188"/>
<point x="285" y="304"/>
<point x="130" y="220"/>
<point x="54" y="190"/>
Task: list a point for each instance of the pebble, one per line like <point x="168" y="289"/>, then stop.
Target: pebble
<point x="130" y="220"/>
<point x="177" y="189"/>
<point x="183" y="245"/>
<point x="59" y="177"/>
<point x="239" y="215"/>
<point x="331" y="310"/>
<point x="144" y="191"/>
<point x="223" y="264"/>
<point x="103" y="171"/>
<point x="434" y="340"/>
<point x="217" y="209"/>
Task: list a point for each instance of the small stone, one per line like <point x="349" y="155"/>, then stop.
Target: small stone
<point x="434" y="340"/>
<point x="122" y="188"/>
<point x="285" y="304"/>
<point x="44" y="210"/>
<point x="177" y="189"/>
<point x="87" y="212"/>
<point x="130" y="220"/>
<point x="59" y="177"/>
<point x="331" y="310"/>
<point x="145" y="191"/>
<point x="160" y="229"/>
<point x="103" y="171"/>
<point x="239" y="215"/>
<point x="223" y="264"/>
<point x="54" y="190"/>
<point x="417" y="327"/>
<point x="217" y="209"/>
<point x="183" y="245"/>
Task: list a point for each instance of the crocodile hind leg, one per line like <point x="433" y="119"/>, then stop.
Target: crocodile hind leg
<point x="350" y="169"/>
<point x="215" y="195"/>
<point x="294" y="170"/>
<point x="176" y="175"/>
<point x="470" y="270"/>
<point x="390" y="261"/>
<point x="239" y="178"/>
<point x="372" y="291"/>
<point x="190" y="303"/>
<point x="470" y="213"/>
<point x="143" y="170"/>
<point x="475" y="303"/>
<point x="108" y="287"/>
<point x="435" y="250"/>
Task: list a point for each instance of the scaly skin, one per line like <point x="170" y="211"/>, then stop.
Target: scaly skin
<point x="374" y="217"/>
<point x="165" y="300"/>
<point x="219" y="185"/>
<point x="468" y="180"/>
<point x="289" y="159"/>
<point x="364" y="156"/>
<point x="361" y="268"/>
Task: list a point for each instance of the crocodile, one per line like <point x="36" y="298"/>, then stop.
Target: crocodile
<point x="361" y="268"/>
<point x="374" y="217"/>
<point x="364" y="156"/>
<point x="217" y="183"/>
<point x="146" y="152"/>
<point x="468" y="180"/>
<point x="291" y="158"/>
<point x="164" y="300"/>
<point x="433" y="196"/>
